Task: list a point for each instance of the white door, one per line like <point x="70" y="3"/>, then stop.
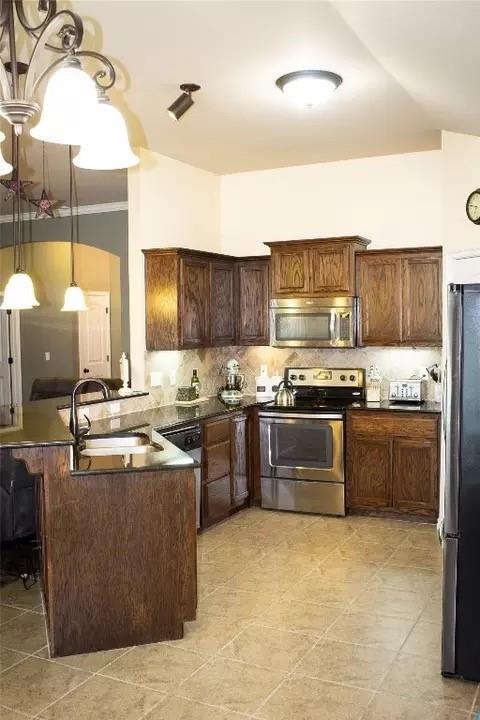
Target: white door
<point x="10" y="351"/>
<point x="94" y="336"/>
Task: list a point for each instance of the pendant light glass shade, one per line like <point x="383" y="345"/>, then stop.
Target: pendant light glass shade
<point x="106" y="146"/>
<point x="5" y="167"/>
<point x="74" y="300"/>
<point x="19" y="292"/>
<point x="70" y="99"/>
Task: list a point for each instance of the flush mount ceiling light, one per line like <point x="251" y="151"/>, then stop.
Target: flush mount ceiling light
<point x="184" y="101"/>
<point x="70" y="101"/>
<point x="309" y="87"/>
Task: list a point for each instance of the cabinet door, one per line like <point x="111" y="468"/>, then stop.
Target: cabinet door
<point x="216" y="500"/>
<point x="239" y="460"/>
<point x="290" y="272"/>
<point x="415" y="476"/>
<point x="422" y="301"/>
<point x="379" y="288"/>
<point x="369" y="472"/>
<point x="253" y="285"/>
<point x="194" y="281"/>
<point x="222" y="303"/>
<point x="332" y="270"/>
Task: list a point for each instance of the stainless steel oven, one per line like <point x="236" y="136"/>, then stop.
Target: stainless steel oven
<point x="313" y="322"/>
<point x="302" y="461"/>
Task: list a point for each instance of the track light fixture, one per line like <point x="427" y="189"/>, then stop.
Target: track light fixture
<point x="184" y="101"/>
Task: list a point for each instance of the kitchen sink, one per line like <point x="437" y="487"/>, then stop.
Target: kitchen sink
<point x="122" y="444"/>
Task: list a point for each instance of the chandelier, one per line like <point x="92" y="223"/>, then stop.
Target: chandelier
<point x="76" y="109"/>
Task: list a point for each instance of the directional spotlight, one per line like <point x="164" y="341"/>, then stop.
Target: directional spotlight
<point x="184" y="101"/>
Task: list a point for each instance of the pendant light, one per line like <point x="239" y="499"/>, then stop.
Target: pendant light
<point x="106" y="146"/>
<point x="74" y="300"/>
<point x="19" y="293"/>
<point x="5" y="167"/>
<point x="70" y="99"/>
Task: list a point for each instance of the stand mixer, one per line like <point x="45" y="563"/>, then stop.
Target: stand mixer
<point x="234" y="382"/>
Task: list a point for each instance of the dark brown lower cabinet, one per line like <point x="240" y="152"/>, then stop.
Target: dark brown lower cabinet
<point x="393" y="463"/>
<point x="225" y="472"/>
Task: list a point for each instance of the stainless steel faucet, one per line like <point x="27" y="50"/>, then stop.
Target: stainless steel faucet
<point x="78" y="433"/>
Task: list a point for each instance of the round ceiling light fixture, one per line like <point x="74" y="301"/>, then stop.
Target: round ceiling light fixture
<point x="309" y="87"/>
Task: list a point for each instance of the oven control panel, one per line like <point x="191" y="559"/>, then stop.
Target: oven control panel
<point x="326" y="377"/>
<point x="412" y="390"/>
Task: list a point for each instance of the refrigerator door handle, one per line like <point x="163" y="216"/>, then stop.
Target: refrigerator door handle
<point x="452" y="408"/>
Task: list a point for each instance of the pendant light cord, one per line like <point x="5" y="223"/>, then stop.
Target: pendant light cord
<point x="72" y="252"/>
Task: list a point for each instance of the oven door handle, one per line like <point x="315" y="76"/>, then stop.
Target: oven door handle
<point x="278" y="416"/>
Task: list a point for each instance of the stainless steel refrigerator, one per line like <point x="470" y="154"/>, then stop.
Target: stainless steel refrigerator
<point x="461" y="523"/>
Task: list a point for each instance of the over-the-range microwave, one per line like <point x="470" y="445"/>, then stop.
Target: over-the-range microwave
<point x="313" y="322"/>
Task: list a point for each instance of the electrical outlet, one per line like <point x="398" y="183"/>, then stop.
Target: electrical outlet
<point x="115" y="423"/>
<point x="156" y="378"/>
<point x="47" y="356"/>
<point x="173" y="378"/>
<point x="114" y="408"/>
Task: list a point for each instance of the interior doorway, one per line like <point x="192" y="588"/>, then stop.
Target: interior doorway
<point x="10" y="358"/>
<point x="94" y="336"/>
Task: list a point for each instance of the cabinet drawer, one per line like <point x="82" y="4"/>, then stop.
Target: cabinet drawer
<point x="216" y="500"/>
<point x="217" y="461"/>
<point x="217" y="432"/>
<point x="393" y="424"/>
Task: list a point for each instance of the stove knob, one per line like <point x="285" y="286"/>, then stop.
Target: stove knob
<point x="352" y="378"/>
<point x="343" y="377"/>
<point x="293" y="377"/>
<point x="415" y="395"/>
<point x="301" y="377"/>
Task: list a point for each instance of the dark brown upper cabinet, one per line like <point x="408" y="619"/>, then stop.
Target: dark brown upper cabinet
<point x="195" y="299"/>
<point x="400" y="297"/>
<point x="253" y="283"/>
<point x="315" y="268"/>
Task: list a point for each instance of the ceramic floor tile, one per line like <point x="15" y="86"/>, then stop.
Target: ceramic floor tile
<point x="417" y="557"/>
<point x="7" y="714"/>
<point x="391" y="707"/>
<point x="232" y="685"/>
<point x="419" y="678"/>
<point x="308" y="618"/>
<point x="432" y="612"/>
<point x="425" y="639"/>
<point x="303" y="542"/>
<point x="356" y="549"/>
<point x="297" y="564"/>
<point x="160" y="667"/>
<point x="319" y="589"/>
<point x="176" y="708"/>
<point x="91" y="662"/>
<point x="412" y="579"/>
<point x="389" y="601"/>
<point x="33" y="684"/>
<point x="268" y="647"/>
<point x="16" y="595"/>
<point x="7" y="613"/>
<point x="392" y="535"/>
<point x="357" y="665"/>
<point x="9" y="658"/>
<point x="301" y="698"/>
<point x="375" y="630"/>
<point x="103" y="699"/>
<point x="236" y="605"/>
<point x="422" y="539"/>
<point x="26" y="633"/>
<point x="209" y="633"/>
<point x="257" y="579"/>
<point x="346" y="570"/>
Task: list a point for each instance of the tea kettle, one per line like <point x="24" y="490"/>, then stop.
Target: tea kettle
<point x="285" y="395"/>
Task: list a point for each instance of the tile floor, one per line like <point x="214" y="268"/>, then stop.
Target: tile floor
<point x="300" y="618"/>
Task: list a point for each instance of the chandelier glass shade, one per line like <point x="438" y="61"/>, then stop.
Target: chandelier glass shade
<point x="74" y="300"/>
<point x="19" y="293"/>
<point x="70" y="111"/>
<point x="106" y="145"/>
<point x="69" y="102"/>
<point x="5" y="167"/>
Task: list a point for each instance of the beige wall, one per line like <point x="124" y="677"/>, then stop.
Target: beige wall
<point x="461" y="175"/>
<point x="46" y="328"/>
<point x="170" y="204"/>
<point x="394" y="201"/>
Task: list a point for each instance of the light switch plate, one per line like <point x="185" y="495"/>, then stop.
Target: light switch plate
<point x="156" y="377"/>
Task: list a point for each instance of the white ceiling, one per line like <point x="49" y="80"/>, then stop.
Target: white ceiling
<point x="410" y="69"/>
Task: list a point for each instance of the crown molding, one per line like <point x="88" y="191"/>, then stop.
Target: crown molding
<point x="65" y="211"/>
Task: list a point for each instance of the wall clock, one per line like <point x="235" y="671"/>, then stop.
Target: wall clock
<point x="473" y="206"/>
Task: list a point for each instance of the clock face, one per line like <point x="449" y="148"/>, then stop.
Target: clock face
<point x="473" y="207"/>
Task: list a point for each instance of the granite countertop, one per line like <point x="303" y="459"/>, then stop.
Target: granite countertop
<point x="426" y="407"/>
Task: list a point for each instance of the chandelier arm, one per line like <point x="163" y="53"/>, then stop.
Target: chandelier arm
<point x="34" y="29"/>
<point x="44" y="73"/>
<point x="72" y="36"/>
<point x="5" y="83"/>
<point x="104" y="79"/>
<point x="4" y="10"/>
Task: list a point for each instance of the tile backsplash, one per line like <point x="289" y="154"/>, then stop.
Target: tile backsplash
<point x="176" y="366"/>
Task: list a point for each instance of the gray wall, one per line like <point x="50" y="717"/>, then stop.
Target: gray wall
<point x="46" y="325"/>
